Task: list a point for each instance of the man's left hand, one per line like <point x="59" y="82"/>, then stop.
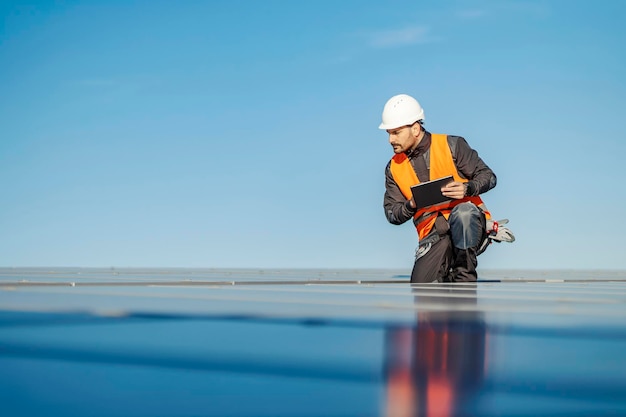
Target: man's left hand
<point x="455" y="190"/>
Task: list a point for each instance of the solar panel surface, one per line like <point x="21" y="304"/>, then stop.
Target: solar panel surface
<point x="110" y="342"/>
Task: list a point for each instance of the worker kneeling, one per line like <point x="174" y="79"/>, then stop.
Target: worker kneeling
<point x="453" y="233"/>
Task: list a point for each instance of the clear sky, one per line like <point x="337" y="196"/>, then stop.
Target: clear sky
<point x="245" y="133"/>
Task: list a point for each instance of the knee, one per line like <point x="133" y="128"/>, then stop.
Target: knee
<point x="464" y="213"/>
<point x="466" y="225"/>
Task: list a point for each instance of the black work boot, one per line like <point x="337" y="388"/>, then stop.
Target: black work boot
<point x="464" y="265"/>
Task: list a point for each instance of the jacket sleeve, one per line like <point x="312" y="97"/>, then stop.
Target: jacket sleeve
<point x="397" y="208"/>
<point x="481" y="177"/>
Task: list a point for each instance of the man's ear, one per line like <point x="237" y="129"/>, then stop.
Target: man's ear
<point x="416" y="128"/>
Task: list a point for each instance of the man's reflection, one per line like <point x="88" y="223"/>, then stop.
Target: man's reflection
<point x="436" y="367"/>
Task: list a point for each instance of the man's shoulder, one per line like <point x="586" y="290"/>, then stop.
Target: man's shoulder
<point x="397" y="159"/>
<point x="454" y="141"/>
<point x="449" y="138"/>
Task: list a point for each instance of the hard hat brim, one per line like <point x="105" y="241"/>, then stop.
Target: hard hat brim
<point x="388" y="126"/>
<point x="395" y="126"/>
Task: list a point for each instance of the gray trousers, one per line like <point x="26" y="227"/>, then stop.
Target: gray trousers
<point x="449" y="253"/>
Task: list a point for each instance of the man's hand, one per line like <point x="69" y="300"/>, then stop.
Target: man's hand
<point x="454" y="189"/>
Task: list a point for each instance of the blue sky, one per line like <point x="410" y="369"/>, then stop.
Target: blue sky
<point x="244" y="133"/>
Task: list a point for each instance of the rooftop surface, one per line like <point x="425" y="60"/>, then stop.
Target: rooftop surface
<point x="226" y="342"/>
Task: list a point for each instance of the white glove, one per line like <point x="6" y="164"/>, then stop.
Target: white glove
<point x="499" y="233"/>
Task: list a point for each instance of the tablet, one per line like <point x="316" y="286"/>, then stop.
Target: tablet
<point x="428" y="193"/>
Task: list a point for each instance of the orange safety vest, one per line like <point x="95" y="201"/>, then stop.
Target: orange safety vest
<point x="441" y="165"/>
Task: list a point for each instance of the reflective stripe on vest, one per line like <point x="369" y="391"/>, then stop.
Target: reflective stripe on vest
<point x="441" y="165"/>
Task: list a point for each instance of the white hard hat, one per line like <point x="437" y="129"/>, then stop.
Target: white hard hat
<point x="401" y="110"/>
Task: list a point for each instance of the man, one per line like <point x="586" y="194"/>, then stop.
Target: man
<point x="451" y="234"/>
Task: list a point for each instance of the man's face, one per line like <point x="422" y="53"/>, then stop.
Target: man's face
<point x="404" y="138"/>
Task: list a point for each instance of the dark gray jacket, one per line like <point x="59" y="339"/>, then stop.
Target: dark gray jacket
<point x="468" y="164"/>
